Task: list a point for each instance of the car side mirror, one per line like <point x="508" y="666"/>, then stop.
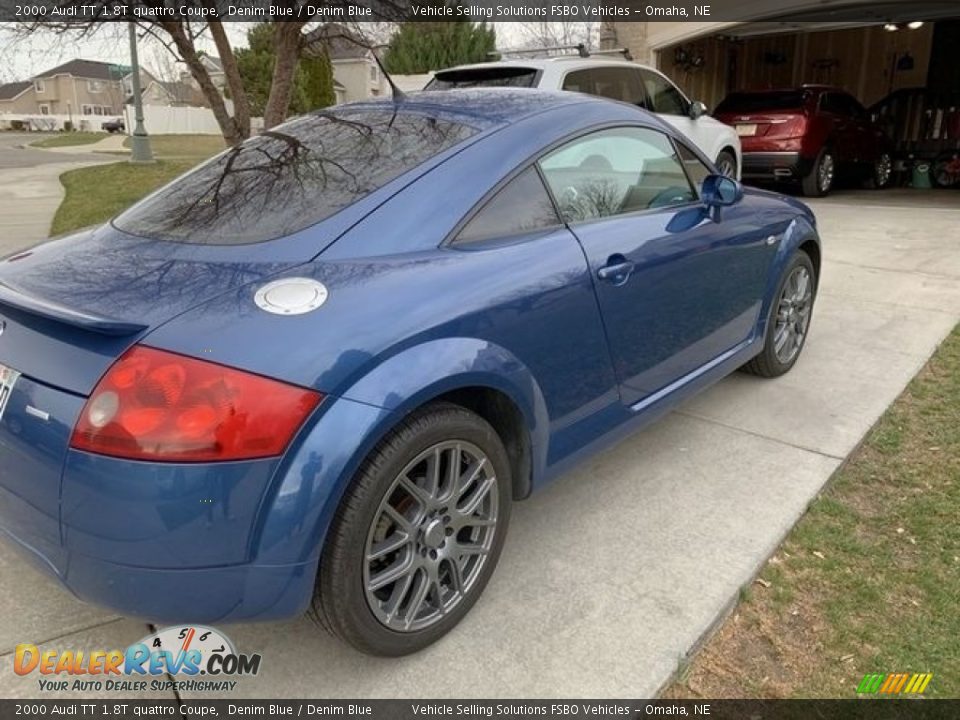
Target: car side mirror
<point x="697" y="109"/>
<point x="720" y="191"/>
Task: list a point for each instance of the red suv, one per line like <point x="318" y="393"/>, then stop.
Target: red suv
<point x="810" y="134"/>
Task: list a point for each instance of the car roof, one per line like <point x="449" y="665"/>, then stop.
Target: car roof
<point x="573" y="62"/>
<point x="488" y="105"/>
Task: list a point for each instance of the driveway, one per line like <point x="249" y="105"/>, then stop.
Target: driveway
<point x="615" y="572"/>
<point x="30" y="189"/>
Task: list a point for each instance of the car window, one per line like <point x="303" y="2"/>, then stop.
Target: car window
<point x="759" y="102"/>
<point x="664" y="97"/>
<point x="616" y="171"/>
<point x="522" y="205"/>
<point x="291" y="177"/>
<point x="840" y="104"/>
<point x="697" y="171"/>
<point x="484" y="77"/>
<point x="616" y="83"/>
<point x="851" y="106"/>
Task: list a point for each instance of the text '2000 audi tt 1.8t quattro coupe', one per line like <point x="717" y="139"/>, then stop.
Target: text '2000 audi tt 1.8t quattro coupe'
<point x="321" y="366"/>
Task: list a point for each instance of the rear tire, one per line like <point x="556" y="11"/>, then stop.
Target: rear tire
<point x="819" y="180"/>
<point x="787" y="312"/>
<point x="406" y="556"/>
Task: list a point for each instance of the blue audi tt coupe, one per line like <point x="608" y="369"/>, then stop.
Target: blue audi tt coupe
<point x="317" y="370"/>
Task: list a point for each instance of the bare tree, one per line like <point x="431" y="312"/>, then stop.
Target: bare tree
<point x="557" y="34"/>
<point x="184" y="38"/>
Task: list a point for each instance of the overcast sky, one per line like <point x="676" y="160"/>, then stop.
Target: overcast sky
<point x="21" y="58"/>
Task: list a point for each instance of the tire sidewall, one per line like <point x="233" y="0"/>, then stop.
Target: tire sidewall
<point x="342" y="563"/>
<point x="811" y="183"/>
<point x="799" y="258"/>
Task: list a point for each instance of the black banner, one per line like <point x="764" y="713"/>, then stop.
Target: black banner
<point x="481" y="709"/>
<point x="145" y="11"/>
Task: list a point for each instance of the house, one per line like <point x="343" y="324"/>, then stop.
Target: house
<point x="16" y="98"/>
<point x="356" y="75"/>
<point x="77" y="87"/>
<point x="214" y="68"/>
<point x="172" y="94"/>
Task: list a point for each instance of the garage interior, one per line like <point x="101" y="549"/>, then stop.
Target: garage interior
<point x="906" y="72"/>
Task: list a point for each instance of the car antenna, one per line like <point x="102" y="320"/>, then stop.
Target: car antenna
<point x="396" y="93"/>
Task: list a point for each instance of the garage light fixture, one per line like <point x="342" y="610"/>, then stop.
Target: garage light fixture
<point x="893" y="27"/>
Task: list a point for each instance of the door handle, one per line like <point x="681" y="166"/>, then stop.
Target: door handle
<point x="617" y="271"/>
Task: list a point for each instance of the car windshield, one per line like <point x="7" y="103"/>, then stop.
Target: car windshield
<point x="484" y="77"/>
<point x="291" y="177"/>
<point x="763" y="102"/>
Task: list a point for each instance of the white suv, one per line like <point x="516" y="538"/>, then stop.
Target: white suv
<point x="614" y="78"/>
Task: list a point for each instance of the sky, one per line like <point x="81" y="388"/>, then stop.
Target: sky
<point x="21" y="58"/>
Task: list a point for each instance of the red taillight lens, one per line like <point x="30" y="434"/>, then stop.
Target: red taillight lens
<point x="156" y="405"/>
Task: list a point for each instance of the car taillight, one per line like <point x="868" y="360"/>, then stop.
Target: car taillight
<point x="160" y="406"/>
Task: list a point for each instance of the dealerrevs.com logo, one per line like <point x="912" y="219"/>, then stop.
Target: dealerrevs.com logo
<point x="198" y="658"/>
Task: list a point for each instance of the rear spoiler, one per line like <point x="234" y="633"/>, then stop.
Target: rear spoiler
<point x="18" y="299"/>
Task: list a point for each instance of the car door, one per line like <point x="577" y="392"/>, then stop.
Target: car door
<point x="678" y="285"/>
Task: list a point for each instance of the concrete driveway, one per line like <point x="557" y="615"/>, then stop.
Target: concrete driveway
<point x="30" y="189"/>
<point x="614" y="573"/>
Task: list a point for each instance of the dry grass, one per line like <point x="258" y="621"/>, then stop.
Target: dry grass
<point x="869" y="580"/>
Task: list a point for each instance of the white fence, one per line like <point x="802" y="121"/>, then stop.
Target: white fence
<point x="51" y="123"/>
<point x="158" y="120"/>
<point x="162" y="120"/>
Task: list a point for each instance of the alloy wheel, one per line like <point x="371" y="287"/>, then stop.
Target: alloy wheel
<point x="793" y="315"/>
<point x="726" y="167"/>
<point x="883" y="169"/>
<point x="431" y="536"/>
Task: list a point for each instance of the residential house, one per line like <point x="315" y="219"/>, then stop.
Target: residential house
<point x="356" y="74"/>
<point x="16" y="97"/>
<point x="214" y="69"/>
<point x="78" y="87"/>
<point x="172" y="94"/>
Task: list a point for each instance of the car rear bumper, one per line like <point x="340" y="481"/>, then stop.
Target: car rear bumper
<point x="775" y="166"/>
<point x="189" y="542"/>
<point x="219" y="594"/>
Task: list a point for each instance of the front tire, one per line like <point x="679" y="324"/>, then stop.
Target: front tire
<point x="789" y="321"/>
<point x="418" y="534"/>
<point x="819" y="181"/>
<point x="727" y="164"/>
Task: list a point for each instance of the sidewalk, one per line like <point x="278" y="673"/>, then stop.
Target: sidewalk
<point x="29" y="198"/>
<point x="110" y="144"/>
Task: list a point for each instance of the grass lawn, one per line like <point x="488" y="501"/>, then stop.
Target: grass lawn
<point x="869" y="580"/>
<point x="70" y="138"/>
<point x="96" y="194"/>
<point x="179" y="146"/>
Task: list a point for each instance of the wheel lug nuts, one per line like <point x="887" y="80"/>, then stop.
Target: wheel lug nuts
<point x="449" y="531"/>
<point x="446" y="518"/>
<point x="433" y="554"/>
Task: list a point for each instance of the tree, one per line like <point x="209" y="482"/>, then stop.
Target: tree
<point x="312" y="80"/>
<point x="318" y="80"/>
<point x="419" y="47"/>
<point x="290" y="40"/>
<point x="557" y="34"/>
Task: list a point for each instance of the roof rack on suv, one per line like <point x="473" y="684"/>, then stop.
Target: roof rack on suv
<point x="579" y="48"/>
